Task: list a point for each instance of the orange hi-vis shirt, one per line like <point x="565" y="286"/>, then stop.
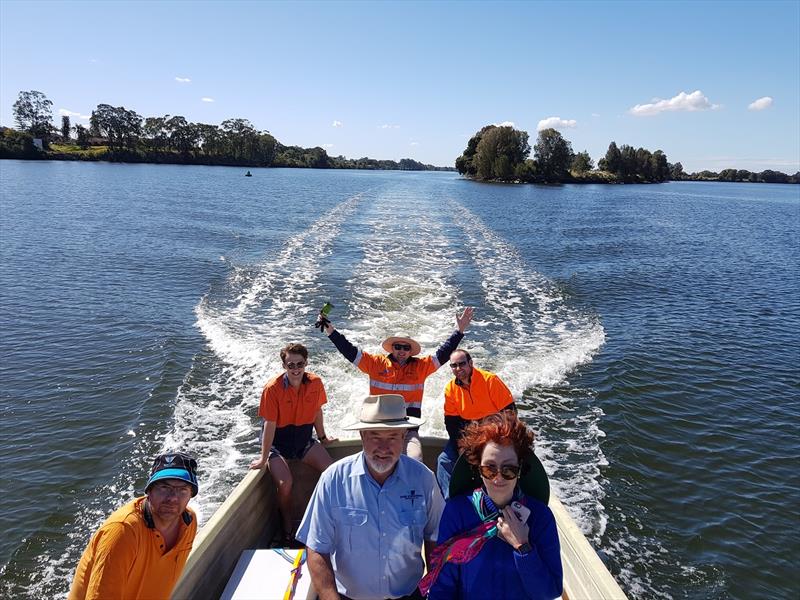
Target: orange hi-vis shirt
<point x="285" y="405"/>
<point x="125" y="559"/>
<point x="486" y="395"/>
<point x="387" y="376"/>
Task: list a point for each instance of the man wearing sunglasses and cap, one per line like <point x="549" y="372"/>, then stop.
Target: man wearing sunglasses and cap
<point x="140" y="551"/>
<point x="471" y="395"/>
<point x="400" y="371"/>
<point x="370" y="513"/>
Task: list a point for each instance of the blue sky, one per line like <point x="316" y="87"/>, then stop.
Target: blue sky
<point x="417" y="79"/>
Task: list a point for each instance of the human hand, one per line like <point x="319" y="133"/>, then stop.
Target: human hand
<point x="328" y="441"/>
<point x="258" y="463"/>
<point x="463" y="320"/>
<point x="512" y="528"/>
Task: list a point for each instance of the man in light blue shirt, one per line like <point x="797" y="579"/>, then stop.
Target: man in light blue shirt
<point x="370" y="513"/>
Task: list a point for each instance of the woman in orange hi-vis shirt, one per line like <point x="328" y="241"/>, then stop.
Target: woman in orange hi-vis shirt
<point x="291" y="406"/>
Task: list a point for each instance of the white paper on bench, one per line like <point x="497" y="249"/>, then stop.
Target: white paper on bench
<point x="264" y="575"/>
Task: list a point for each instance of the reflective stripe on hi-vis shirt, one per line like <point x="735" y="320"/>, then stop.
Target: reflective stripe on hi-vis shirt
<point x="403" y="387"/>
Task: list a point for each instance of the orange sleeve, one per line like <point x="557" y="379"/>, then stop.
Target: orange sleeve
<point x="114" y="554"/>
<point x="323" y="397"/>
<point x="269" y="404"/>
<point x="450" y="399"/>
<point x="499" y="394"/>
<point x="369" y="363"/>
<point x="429" y="366"/>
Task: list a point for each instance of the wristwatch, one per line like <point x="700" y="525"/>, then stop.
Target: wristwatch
<point x="524" y="548"/>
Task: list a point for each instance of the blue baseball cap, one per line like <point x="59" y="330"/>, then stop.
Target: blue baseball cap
<point x="174" y="465"/>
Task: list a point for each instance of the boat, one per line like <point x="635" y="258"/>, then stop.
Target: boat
<point x="248" y="174"/>
<point x="234" y="557"/>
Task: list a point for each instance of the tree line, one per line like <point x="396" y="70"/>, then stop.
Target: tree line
<point x="500" y="153"/>
<point x="127" y="136"/>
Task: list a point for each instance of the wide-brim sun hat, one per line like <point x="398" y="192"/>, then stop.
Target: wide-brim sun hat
<point x="401" y="338"/>
<point x="384" y="411"/>
<point x="174" y="465"/>
<point x="532" y="480"/>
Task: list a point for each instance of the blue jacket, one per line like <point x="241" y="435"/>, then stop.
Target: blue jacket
<point x="498" y="571"/>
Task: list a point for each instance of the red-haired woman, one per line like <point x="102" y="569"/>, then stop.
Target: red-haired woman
<point x="496" y="541"/>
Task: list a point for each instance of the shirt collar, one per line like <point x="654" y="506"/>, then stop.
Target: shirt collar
<point x="286" y="383"/>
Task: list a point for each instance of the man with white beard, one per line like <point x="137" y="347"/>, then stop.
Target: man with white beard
<point x="370" y="513"/>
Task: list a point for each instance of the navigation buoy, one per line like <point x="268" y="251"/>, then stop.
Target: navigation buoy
<point x="248" y="174"/>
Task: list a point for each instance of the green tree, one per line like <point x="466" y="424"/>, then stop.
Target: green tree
<point x="676" y="172"/>
<point x="66" y="127"/>
<point x="659" y="166"/>
<point x="553" y="156"/>
<point x="465" y="164"/>
<point x="582" y="162"/>
<point x="612" y="161"/>
<point x="33" y="112"/>
<point x="83" y="135"/>
<point x="121" y="127"/>
<point x="499" y="151"/>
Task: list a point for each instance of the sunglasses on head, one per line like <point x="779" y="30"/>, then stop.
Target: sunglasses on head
<point x="508" y="472"/>
<point x="298" y="365"/>
<point x="461" y="363"/>
<point x="406" y="347"/>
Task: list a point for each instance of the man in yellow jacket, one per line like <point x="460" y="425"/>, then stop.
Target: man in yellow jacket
<point x="140" y="551"/>
<point x="471" y="395"/>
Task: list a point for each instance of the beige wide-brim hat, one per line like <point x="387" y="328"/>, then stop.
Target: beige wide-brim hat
<point x="385" y="411"/>
<point x="401" y="338"/>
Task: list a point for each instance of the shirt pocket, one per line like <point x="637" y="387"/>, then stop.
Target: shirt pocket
<point x="350" y="524"/>
<point x="414" y="520"/>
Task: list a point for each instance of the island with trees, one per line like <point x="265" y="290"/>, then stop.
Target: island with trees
<point x="494" y="154"/>
<point x="499" y="153"/>
<point x="115" y="133"/>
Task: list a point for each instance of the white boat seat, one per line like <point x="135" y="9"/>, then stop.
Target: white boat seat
<point x="264" y="574"/>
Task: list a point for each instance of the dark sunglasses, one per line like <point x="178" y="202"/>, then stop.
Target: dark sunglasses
<point x="406" y="347"/>
<point x="461" y="363"/>
<point x="297" y="365"/>
<point x="508" y="472"/>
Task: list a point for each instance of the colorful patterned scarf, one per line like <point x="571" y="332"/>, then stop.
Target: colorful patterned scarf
<point x="463" y="547"/>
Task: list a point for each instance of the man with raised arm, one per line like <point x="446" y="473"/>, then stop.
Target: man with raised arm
<point x="401" y="371"/>
<point x="471" y="395"/>
<point x="370" y="513"/>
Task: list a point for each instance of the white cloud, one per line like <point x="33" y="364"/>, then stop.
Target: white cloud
<point x="505" y="124"/>
<point x="556" y="123"/>
<point x="760" y="104"/>
<point x="183" y="80"/>
<point x="70" y="113"/>
<point x="595" y="114"/>
<point x="327" y="145"/>
<point x="206" y="99"/>
<point x="386" y="126"/>
<point x="337" y="124"/>
<point x="682" y="102"/>
<point x="414" y="144"/>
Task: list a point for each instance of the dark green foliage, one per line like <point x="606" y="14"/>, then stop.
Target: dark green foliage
<point x="33" y="113"/>
<point x="65" y="127"/>
<point x="582" y="162"/>
<point x="119" y="126"/>
<point x="553" y="156"/>
<point x="83" y="135"/>
<point x="17" y="144"/>
<point x="676" y="172"/>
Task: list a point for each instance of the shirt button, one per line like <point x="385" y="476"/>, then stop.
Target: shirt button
<point x="383" y="534"/>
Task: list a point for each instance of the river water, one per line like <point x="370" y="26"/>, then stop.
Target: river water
<point x="649" y="334"/>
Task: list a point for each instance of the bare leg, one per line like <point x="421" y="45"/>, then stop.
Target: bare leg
<point x="412" y="447"/>
<point x="282" y="477"/>
<point x="318" y="458"/>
